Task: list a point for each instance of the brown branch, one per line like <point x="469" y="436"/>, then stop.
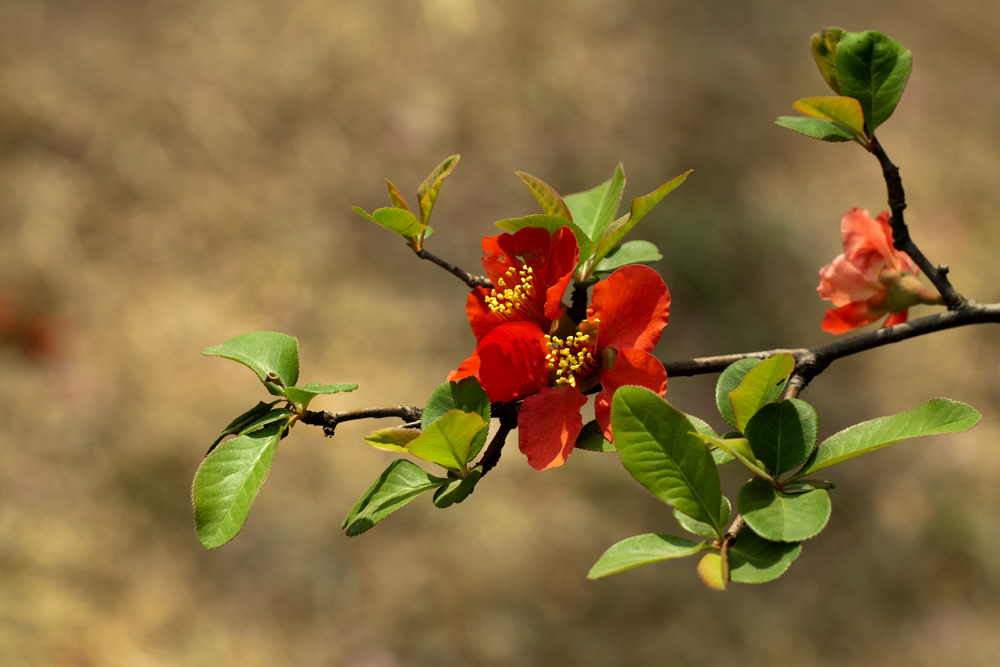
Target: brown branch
<point x="901" y="234"/>
<point x="469" y="279"/>
<point x="329" y="420"/>
<point x="507" y="414"/>
<point x="810" y="362"/>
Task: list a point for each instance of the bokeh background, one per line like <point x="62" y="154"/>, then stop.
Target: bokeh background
<point x="176" y="173"/>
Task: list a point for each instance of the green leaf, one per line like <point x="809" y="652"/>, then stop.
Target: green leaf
<point x="242" y="421"/>
<point x="712" y="571"/>
<point x="447" y="441"/>
<point x="465" y="395"/>
<point x="817" y="128"/>
<point x="754" y="560"/>
<point x="305" y="394"/>
<point x="428" y="191"/>
<point x="392" y="439"/>
<point x="939" y="415"/>
<point x="656" y="447"/>
<point x="401" y="482"/>
<point x="274" y="357"/>
<point x="617" y="230"/>
<point x="268" y="418"/>
<point x="845" y="111"/>
<point x="697" y="527"/>
<point x="227" y="482"/>
<point x="739" y="449"/>
<point x="873" y="69"/>
<point x="783" y="517"/>
<point x="760" y="386"/>
<point x="553" y="224"/>
<point x="397" y="220"/>
<point x="457" y="490"/>
<point x="824" y="51"/>
<point x="594" y="209"/>
<point x="592" y="439"/>
<point x="782" y="435"/>
<point x="730" y="379"/>
<point x="551" y="202"/>
<point x="631" y="252"/>
<point x="643" y="550"/>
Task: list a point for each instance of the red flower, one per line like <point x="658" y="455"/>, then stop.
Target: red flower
<point x="871" y="278"/>
<point x="530" y="271"/>
<point x="612" y="347"/>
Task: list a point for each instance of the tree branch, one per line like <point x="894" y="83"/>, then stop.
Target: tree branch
<point x="469" y="279"/>
<point x="901" y="234"/>
<point x="329" y="420"/>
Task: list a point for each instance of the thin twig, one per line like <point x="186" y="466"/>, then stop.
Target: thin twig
<point x="507" y="414"/>
<point x="469" y="279"/>
<point x="329" y="420"/>
<point x="901" y="234"/>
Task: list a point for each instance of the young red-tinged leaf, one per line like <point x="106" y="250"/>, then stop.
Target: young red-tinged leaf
<point x="824" y="50"/>
<point x="428" y="191"/>
<point x="845" y="111"/>
<point x="400" y="483"/>
<point x="617" y="230"/>
<point x="274" y="357"/>
<point x="395" y="196"/>
<point x="227" y="482"/>
<point x="397" y="220"/>
<point x="783" y="517"/>
<point x="392" y="439"/>
<point x="643" y="550"/>
<point x="816" y="128"/>
<point x="305" y="394"/>
<point x="939" y="415"/>
<point x="594" y="209"/>
<point x="550" y="200"/>
<point x="757" y="388"/>
<point x="873" y="69"/>
<point x="448" y="440"/>
<point x="656" y="446"/>
<point x="712" y="570"/>
<point x="754" y="560"/>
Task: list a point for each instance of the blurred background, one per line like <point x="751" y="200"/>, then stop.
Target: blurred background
<point x="175" y="173"/>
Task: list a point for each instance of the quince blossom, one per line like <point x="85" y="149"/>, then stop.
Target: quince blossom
<point x="871" y="278"/>
<point x="530" y="271"/>
<point x="518" y="360"/>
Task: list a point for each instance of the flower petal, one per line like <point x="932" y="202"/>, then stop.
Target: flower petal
<point x="548" y="425"/>
<point x="867" y="242"/>
<point x="851" y="316"/>
<point x="528" y="246"/>
<point x="481" y="318"/>
<point x="509" y="362"/>
<point x="563" y="258"/>
<point x="842" y="282"/>
<point x="895" y="318"/>
<point x="633" y="306"/>
<point x="631" y="367"/>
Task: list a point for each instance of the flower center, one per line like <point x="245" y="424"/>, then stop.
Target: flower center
<point x="573" y="358"/>
<point x="514" y="297"/>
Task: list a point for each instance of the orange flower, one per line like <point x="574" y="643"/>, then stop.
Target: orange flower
<point x="871" y="278"/>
